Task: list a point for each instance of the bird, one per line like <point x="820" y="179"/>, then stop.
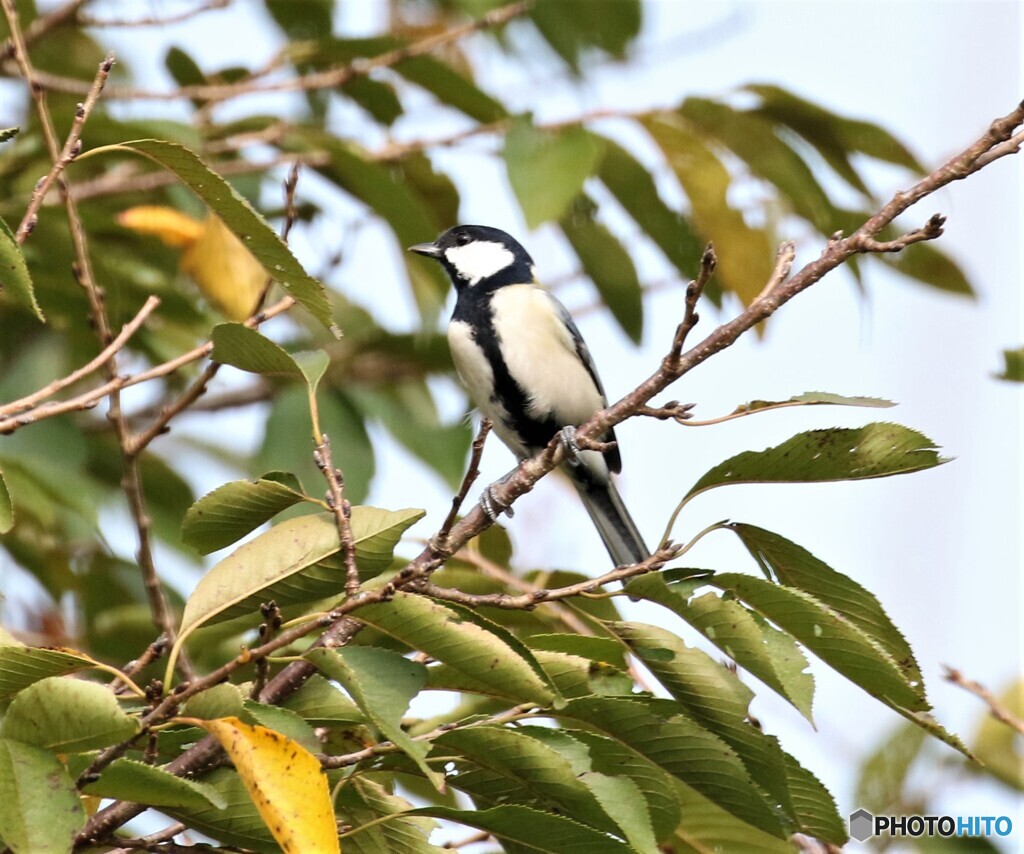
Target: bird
<point x="528" y="370"/>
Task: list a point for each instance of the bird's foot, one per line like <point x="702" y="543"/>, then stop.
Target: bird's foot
<point x="492" y="507"/>
<point x="567" y="436"/>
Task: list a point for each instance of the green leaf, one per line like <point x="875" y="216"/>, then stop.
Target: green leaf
<point x="40" y="811"/>
<point x="771" y="656"/>
<point x="623" y="800"/>
<point x="15" y="281"/>
<point x="319" y="703"/>
<point x="239" y="216"/>
<point x="449" y="635"/>
<point x="857" y="453"/>
<point x="787" y="563"/>
<point x="382" y="683"/>
<point x="6" y="507"/>
<point x="834" y="136"/>
<point x="752" y="138"/>
<point x="126" y="779"/>
<point x="219" y="701"/>
<point x="706" y="827"/>
<point x="8" y="133"/>
<point x="231" y="511"/>
<point x="816" y="811"/>
<point x="714" y="696"/>
<point x="659" y="731"/>
<point x="237" y="345"/>
<point x="883" y="774"/>
<point x="281" y="564"/>
<point x="363" y="802"/>
<point x="998" y="744"/>
<point x="830" y="636"/>
<point x="745" y="254"/>
<point x="577" y="676"/>
<point x="1014" y="370"/>
<point x="814" y="398"/>
<point x="67" y="716"/>
<point x="930" y="266"/>
<point x="547" y="168"/>
<point x="519" y="768"/>
<point x="572" y="28"/>
<point x="633" y="187"/>
<point x="238" y="823"/>
<point x="608" y="265"/>
<point x="522" y="829"/>
<point x="21" y="666"/>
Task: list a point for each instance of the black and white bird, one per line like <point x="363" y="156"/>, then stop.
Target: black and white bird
<point x="528" y="370"/>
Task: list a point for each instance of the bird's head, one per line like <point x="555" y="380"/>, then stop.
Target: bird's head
<point x="478" y="254"/>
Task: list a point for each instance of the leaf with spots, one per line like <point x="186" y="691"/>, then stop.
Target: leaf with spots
<point x="284" y="781"/>
<point x="840" y="453"/>
<point x="382" y="683"/>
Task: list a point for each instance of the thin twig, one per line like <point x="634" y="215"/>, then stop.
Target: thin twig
<point x="127" y="331"/>
<point x="472" y="473"/>
<point x="995" y="707"/>
<point x="708" y="262"/>
<point x="72" y="146"/>
<point x="329" y="79"/>
<point x="153" y="21"/>
<point x="342" y="510"/>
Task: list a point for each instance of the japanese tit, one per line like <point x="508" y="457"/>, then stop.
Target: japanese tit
<point x="527" y="369"/>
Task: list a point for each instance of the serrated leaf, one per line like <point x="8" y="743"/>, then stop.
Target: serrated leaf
<point x="382" y="683"/>
<point x="532" y="772"/>
<point x="607" y="264"/>
<point x="829" y="635"/>
<point x="815" y="808"/>
<point x="658" y="730"/>
<point x="448" y="636"/>
<point x="237" y="345"/>
<point x="282" y="721"/>
<point x="745" y="254"/>
<point x="531" y="830"/>
<point x="789" y="564"/>
<point x="67" y="716"/>
<point x="40" y="811"/>
<point x="219" y="701"/>
<point x="15" y="281"/>
<point x="285" y="782"/>
<point x="814" y="398"/>
<point x="576" y="676"/>
<point x="319" y="703"/>
<point x="840" y="453"/>
<point x="1014" y="370"/>
<point x="126" y="779"/>
<point x="282" y="564"/>
<point x="239" y="216"/>
<point x="363" y="802"/>
<point x="712" y="695"/>
<point x="771" y="656"/>
<point x="547" y="168"/>
<point x="706" y="827"/>
<point x="21" y="666"/>
<point x="231" y="511"/>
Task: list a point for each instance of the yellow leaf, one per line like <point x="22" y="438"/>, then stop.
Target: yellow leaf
<point x="225" y="271"/>
<point x="172" y="227"/>
<point x="285" y="782"/>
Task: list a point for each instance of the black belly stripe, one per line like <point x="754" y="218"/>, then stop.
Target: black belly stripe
<point x="478" y="314"/>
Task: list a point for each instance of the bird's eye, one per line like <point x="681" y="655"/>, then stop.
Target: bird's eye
<point x="461" y="239"/>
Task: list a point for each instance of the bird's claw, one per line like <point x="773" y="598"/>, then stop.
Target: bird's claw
<point x="567" y="436"/>
<point x="492" y="507"/>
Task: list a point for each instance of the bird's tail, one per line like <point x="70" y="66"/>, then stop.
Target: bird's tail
<point x="612" y="520"/>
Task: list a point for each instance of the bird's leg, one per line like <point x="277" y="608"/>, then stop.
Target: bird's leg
<point x="491" y="506"/>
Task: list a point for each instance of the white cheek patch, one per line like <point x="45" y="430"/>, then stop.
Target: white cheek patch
<point x="479" y="260"/>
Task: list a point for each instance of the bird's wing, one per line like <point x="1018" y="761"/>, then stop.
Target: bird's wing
<point x="612" y="457"/>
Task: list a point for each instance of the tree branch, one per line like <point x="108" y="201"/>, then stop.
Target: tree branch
<point x="995" y="707"/>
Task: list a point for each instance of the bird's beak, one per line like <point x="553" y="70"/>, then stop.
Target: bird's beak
<point x="431" y="250"/>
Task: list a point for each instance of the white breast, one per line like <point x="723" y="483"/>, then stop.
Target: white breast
<point x="541" y="355"/>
